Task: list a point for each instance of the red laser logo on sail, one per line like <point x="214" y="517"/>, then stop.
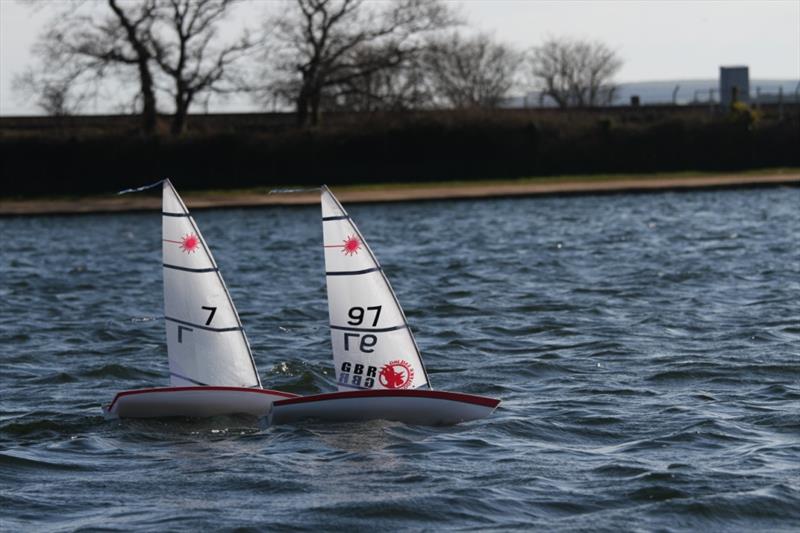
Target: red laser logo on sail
<point x="351" y="245"/>
<point x="396" y="375"/>
<point x="189" y="243"/>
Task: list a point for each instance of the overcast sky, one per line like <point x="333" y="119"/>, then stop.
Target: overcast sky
<point x="657" y="39"/>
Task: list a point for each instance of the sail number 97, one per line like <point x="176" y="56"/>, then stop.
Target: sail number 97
<point x="357" y="315"/>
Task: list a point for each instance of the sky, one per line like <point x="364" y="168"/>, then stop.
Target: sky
<point x="657" y="39"/>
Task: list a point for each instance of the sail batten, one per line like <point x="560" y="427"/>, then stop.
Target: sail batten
<point x="353" y="272"/>
<point x="187" y="269"/>
<point x="200" y="326"/>
<point x="373" y="346"/>
<point x="206" y="342"/>
<point x="367" y="330"/>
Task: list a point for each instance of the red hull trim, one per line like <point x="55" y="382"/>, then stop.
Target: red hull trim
<point x="383" y="393"/>
<point x="180" y="389"/>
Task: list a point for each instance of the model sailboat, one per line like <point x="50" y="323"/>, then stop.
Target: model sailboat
<point x="212" y="371"/>
<point x="379" y="370"/>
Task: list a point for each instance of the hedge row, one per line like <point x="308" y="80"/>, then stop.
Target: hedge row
<point x="420" y="150"/>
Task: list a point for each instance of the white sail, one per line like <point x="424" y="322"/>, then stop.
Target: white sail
<point x="206" y="343"/>
<point x="373" y="347"/>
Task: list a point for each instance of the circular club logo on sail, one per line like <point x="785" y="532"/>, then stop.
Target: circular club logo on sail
<point x="396" y="375"/>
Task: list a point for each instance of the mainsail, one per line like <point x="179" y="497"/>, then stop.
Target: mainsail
<point x="206" y="343"/>
<point x="373" y="347"/>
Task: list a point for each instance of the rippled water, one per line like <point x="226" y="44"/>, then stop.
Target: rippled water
<point x="646" y="349"/>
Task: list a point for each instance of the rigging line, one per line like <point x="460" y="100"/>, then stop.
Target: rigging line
<point x="142" y="188"/>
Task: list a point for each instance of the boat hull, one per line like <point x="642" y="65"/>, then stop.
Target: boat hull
<point x="199" y="402"/>
<point x="420" y="407"/>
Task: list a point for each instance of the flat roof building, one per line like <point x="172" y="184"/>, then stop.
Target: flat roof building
<point x="734" y="85"/>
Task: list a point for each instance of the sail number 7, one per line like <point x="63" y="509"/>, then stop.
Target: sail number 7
<point x="357" y="315"/>
<point x="211" y="315"/>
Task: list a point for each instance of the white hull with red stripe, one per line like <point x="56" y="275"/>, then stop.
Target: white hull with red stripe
<point x="379" y="369"/>
<point x="197" y="402"/>
<point x="419" y="407"/>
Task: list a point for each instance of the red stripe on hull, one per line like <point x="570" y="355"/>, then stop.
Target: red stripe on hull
<point x="180" y="389"/>
<point x="441" y="395"/>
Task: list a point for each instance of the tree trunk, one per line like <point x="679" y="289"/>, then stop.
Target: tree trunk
<point x="315" y="98"/>
<point x="302" y="108"/>
<point x="182" y="102"/>
<point x="142" y="60"/>
<point x="148" y="99"/>
<point x="559" y="98"/>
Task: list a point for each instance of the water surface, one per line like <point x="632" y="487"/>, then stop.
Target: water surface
<point x="646" y="349"/>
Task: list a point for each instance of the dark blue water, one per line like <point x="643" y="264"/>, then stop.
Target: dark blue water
<point x="646" y="349"/>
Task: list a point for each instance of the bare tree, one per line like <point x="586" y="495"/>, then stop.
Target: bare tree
<point x="135" y="29"/>
<point x="183" y="44"/>
<point x="322" y="44"/>
<point x="575" y="72"/>
<point x="57" y="93"/>
<point x="396" y="87"/>
<point x="158" y="40"/>
<point x="82" y="45"/>
<point x="452" y="71"/>
<point x="471" y="72"/>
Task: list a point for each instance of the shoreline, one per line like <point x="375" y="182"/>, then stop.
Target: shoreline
<point x="404" y="193"/>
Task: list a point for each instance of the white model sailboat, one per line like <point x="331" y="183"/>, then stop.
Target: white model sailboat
<point x="212" y="371"/>
<point x="379" y="370"/>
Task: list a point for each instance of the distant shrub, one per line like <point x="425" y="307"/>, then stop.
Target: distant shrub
<point x="744" y="114"/>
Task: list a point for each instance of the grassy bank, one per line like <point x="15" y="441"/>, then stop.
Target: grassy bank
<point x="552" y="185"/>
